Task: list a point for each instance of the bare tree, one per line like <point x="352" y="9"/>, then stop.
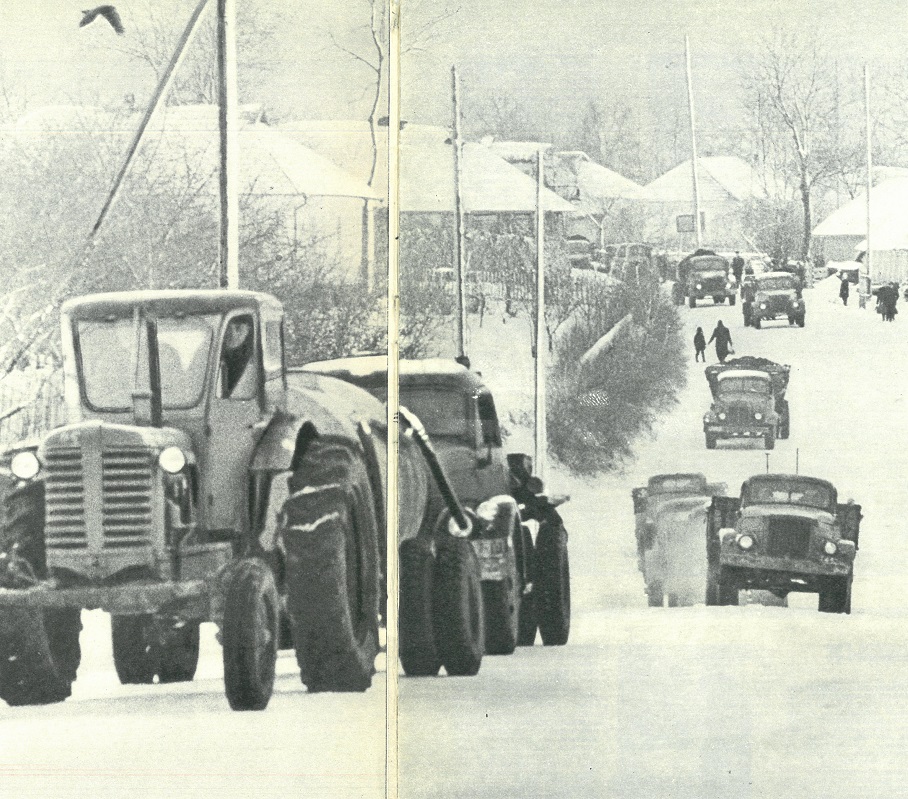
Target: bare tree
<point x="797" y="118"/>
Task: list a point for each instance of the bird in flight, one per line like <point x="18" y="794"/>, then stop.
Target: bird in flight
<point x="108" y="12"/>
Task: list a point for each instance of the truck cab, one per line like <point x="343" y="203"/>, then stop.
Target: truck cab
<point x="784" y="533"/>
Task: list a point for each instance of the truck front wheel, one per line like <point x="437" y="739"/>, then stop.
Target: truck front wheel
<point x="330" y="535"/>
<point x="553" y="582"/>
<point x="769" y="440"/>
<point x="459" y="615"/>
<point x="835" y="595"/>
<point x="418" y="653"/>
<point x="692" y="301"/>
<point x="726" y="590"/>
<point x="501" y="600"/>
<point x="527" y="626"/>
<point x="732" y="299"/>
<point x="250" y="635"/>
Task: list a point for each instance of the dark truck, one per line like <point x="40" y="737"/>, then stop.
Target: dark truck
<point x="199" y="480"/>
<point x="669" y="520"/>
<point x="773" y="295"/>
<point x="748" y="401"/>
<point x="525" y="584"/>
<point x="704" y="274"/>
<point x="785" y="533"/>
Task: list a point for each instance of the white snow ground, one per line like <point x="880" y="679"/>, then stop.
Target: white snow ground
<point x="746" y="701"/>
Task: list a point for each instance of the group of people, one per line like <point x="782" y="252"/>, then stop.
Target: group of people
<point x="721" y="335"/>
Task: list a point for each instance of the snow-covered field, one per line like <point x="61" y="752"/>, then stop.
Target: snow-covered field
<point x="746" y="701"/>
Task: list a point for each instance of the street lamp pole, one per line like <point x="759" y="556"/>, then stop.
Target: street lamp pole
<point x="693" y="143"/>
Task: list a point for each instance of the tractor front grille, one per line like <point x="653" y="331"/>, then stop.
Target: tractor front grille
<point x="64" y="527"/>
<point x="98" y="508"/>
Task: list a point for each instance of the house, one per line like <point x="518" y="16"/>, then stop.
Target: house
<point x="313" y="196"/>
<point x="727" y="185"/>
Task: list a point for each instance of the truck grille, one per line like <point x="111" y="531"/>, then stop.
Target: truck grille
<point x="789" y="537"/>
<point x="739" y="415"/>
<point x="121" y="492"/>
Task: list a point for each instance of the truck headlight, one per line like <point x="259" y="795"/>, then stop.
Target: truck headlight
<point x="699" y="286"/>
<point x="25" y="465"/>
<point x="745" y="541"/>
<point x="830" y="548"/>
<point x="758" y="416"/>
<point x="722" y="416"/>
<point x="795" y="304"/>
<point x="762" y="306"/>
<point x="172" y="460"/>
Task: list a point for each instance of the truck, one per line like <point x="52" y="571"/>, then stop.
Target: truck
<point x="669" y="521"/>
<point x="198" y="479"/>
<point x="704" y="274"/>
<point x="785" y="533"/>
<point x="773" y="295"/>
<point x="525" y="580"/>
<point x="749" y="402"/>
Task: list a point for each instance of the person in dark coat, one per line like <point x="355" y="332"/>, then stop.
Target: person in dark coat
<point x="699" y="345"/>
<point x="892" y="297"/>
<point x="737" y="267"/>
<point x="722" y="336"/>
<point x="844" y="290"/>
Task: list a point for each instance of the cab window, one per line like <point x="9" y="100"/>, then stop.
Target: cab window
<point x="237" y="367"/>
<point x="488" y="420"/>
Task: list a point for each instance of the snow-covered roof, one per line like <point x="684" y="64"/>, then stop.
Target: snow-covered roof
<point x="889" y="216"/>
<point x="720" y="177"/>
<point x="185" y="138"/>
<point x="490" y="184"/>
<point x="742" y="373"/>
<point x="597" y="182"/>
<point x="517" y="151"/>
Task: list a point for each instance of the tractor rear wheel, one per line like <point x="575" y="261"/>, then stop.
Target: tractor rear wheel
<point x="459" y="615"/>
<point x="250" y="635"/>
<point x="330" y="534"/>
<point x="418" y="653"/>
<point x="553" y="582"/>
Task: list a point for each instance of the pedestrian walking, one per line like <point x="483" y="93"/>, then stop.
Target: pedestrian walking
<point x="892" y="298"/>
<point x="737" y="267"/>
<point x="699" y="345"/>
<point x="844" y="290"/>
<point x="722" y="336"/>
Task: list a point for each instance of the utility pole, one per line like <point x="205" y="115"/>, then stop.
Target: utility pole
<point x="865" y="293"/>
<point x="229" y="154"/>
<point x="460" y="244"/>
<point x="541" y="441"/>
<point x="693" y="143"/>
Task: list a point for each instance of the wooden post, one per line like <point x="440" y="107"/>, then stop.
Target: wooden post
<point x="865" y="295"/>
<point x="541" y="443"/>
<point x="693" y="143"/>
<point x="460" y="244"/>
<point x="229" y="155"/>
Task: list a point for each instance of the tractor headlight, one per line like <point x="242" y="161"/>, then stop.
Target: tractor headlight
<point x="745" y="541"/>
<point x="172" y="460"/>
<point x="722" y="415"/>
<point x="830" y="548"/>
<point x="25" y="465"/>
<point x="758" y="416"/>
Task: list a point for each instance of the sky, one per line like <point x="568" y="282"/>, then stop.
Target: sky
<point x="550" y="56"/>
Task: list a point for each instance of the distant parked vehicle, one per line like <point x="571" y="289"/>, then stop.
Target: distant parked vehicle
<point x="629" y="258"/>
<point x="580" y="252"/>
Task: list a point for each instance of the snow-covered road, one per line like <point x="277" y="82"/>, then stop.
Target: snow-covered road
<point x="746" y="701"/>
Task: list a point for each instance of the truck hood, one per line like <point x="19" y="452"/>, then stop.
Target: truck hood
<point x="471" y="485"/>
<point x="765" y="511"/>
<point x="748" y="398"/>
<point x="776" y="296"/>
<point x="107" y="434"/>
<point x="710" y="275"/>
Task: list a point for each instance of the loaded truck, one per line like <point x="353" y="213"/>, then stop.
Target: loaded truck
<point x="198" y="479"/>
<point x="773" y="295"/>
<point x="784" y="533"/>
<point x="748" y="401"/>
<point x="669" y="520"/>
<point x="704" y="274"/>
<point x="525" y="581"/>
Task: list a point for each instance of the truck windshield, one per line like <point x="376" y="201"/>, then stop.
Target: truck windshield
<point x="677" y="485"/>
<point x="113" y="360"/>
<point x="813" y="496"/>
<point x="444" y="414"/>
<point x="744" y="385"/>
<point x="776" y="284"/>
<point x="708" y="265"/>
